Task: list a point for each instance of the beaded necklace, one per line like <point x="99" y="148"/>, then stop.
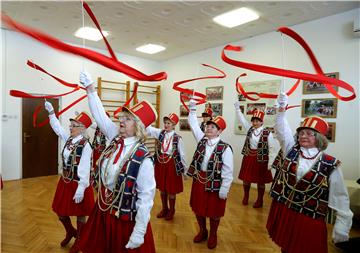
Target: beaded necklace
<point x="308" y="158"/>
<point x="165" y="149"/>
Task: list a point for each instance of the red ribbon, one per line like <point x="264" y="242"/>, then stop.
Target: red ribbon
<point x="197" y="96"/>
<point x="127" y="102"/>
<point x="241" y="90"/>
<point x="43" y="123"/>
<point x="109" y="62"/>
<point x="17" y="93"/>
<point x="319" y="77"/>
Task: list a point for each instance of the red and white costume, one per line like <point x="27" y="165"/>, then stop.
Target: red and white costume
<point x="212" y="180"/>
<point x="252" y="170"/>
<point x="167" y="178"/>
<point x="63" y="203"/>
<point x="298" y="224"/>
<point x="106" y="231"/>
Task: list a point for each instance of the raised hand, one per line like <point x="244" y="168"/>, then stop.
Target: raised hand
<point x="49" y="107"/>
<point x="85" y="78"/>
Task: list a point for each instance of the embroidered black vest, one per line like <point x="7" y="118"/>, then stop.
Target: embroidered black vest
<point x="263" y="145"/>
<point x="179" y="166"/>
<point x="310" y="194"/>
<point x="99" y="142"/>
<point x="125" y="188"/>
<point x="213" y="171"/>
<point x="70" y="167"/>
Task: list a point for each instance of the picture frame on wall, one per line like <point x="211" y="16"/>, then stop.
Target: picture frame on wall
<point x="310" y="87"/>
<point x="184" y="125"/>
<point x="214" y="93"/>
<point x="183" y="111"/>
<point x="323" y="107"/>
<point x="250" y="107"/>
<point x="330" y="135"/>
<point x="217" y="109"/>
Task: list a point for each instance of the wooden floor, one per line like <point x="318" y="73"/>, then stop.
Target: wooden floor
<point x="29" y="225"/>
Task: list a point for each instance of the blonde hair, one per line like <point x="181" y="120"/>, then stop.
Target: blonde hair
<point x="321" y="141"/>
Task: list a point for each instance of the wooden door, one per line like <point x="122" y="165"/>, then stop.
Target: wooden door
<point x="39" y="145"/>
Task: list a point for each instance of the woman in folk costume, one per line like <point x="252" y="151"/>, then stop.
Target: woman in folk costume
<point x="212" y="172"/>
<point x="307" y="183"/>
<point x="255" y="166"/>
<point x="169" y="164"/>
<point x="73" y="196"/>
<point x="206" y="116"/>
<point x="125" y="181"/>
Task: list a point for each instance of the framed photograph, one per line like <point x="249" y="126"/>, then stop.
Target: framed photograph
<point x="184" y="125"/>
<point x="217" y="109"/>
<point x="183" y="111"/>
<point x="316" y="88"/>
<point x="331" y="133"/>
<point x="250" y="107"/>
<point x="323" y="107"/>
<point x="270" y="110"/>
<point x="214" y="93"/>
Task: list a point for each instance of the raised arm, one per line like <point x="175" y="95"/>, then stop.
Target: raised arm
<point x="182" y="153"/>
<point x="273" y="149"/>
<point x="55" y="123"/>
<point x="153" y="131"/>
<point x="97" y="110"/>
<point x="240" y="116"/>
<point x="193" y="122"/>
<point x="282" y="128"/>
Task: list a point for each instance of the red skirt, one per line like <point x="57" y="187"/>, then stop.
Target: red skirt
<point x="104" y="233"/>
<point x="63" y="203"/>
<point x="252" y="171"/>
<point x="295" y="232"/>
<point x="205" y="203"/>
<point x="166" y="178"/>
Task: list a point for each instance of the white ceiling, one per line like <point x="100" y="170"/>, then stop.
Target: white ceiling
<point x="182" y="27"/>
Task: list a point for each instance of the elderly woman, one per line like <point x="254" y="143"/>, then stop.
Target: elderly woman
<point x="308" y="182"/>
<point x="169" y="164"/>
<point x="212" y="173"/>
<point x="73" y="196"/>
<point x="125" y="181"/>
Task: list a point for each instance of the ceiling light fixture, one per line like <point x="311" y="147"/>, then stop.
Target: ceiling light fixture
<point x="90" y="33"/>
<point x="236" y="17"/>
<point x="150" y="48"/>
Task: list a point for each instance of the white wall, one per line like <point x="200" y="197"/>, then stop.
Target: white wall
<point x="17" y="75"/>
<point x="336" y="50"/>
<point x="330" y="38"/>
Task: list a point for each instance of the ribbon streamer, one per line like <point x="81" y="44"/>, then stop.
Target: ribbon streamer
<point x="17" y="93"/>
<point x="109" y="62"/>
<point x="43" y="123"/>
<point x="127" y="102"/>
<point x="186" y="93"/>
<point x="319" y="77"/>
<point x="240" y="89"/>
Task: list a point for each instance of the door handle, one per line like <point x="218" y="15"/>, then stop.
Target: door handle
<point x="25" y="136"/>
